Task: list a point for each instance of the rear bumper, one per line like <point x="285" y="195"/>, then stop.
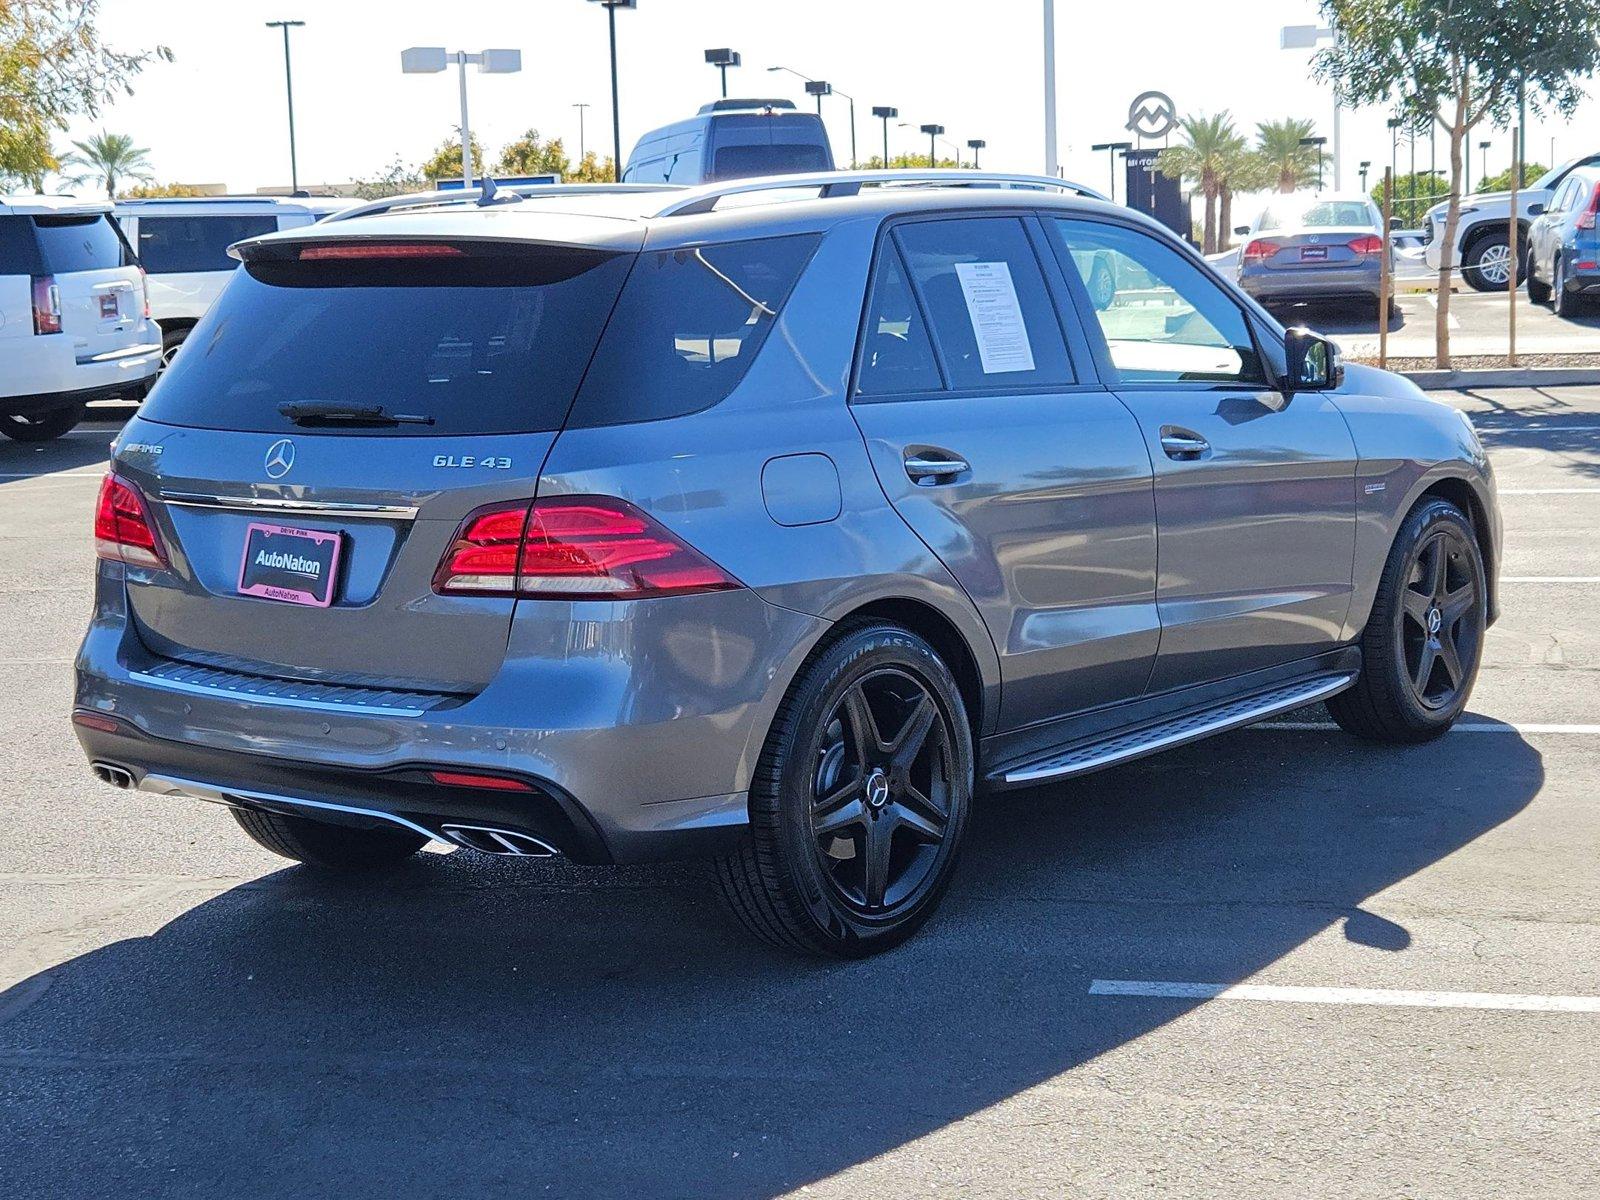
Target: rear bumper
<point x="638" y="732"/>
<point x="42" y="377"/>
<point x="1314" y="284"/>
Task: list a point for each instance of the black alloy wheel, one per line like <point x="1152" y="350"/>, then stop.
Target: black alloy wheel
<point x="1439" y="619"/>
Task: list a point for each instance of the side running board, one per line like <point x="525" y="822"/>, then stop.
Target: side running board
<point x="1176" y="731"/>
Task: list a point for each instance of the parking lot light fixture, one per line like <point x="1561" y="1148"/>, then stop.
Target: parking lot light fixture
<point x="832" y="91"/>
<point x="611" y="7"/>
<point x="1113" y="149"/>
<point x="1483" y="162"/>
<point x="1366" y="165"/>
<point x="1319" y="143"/>
<point x="819" y="88"/>
<point x="722" y="59"/>
<point x="885" y="114"/>
<point x="430" y="60"/>
<point x="933" y="131"/>
<point x="288" y="83"/>
<point x="975" y="145"/>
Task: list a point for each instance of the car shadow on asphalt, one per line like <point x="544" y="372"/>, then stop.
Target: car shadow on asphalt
<point x="472" y="1027"/>
<point x="88" y="445"/>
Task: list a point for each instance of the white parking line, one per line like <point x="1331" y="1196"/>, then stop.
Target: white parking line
<point x="44" y="475"/>
<point x="1534" y="427"/>
<point x="1392" y="997"/>
<point x="1550" y="579"/>
<point x="1459" y="727"/>
<point x="1582" y="491"/>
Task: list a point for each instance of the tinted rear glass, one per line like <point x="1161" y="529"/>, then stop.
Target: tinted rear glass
<point x="495" y="342"/>
<point x="59" y="245"/>
<point x="743" y="162"/>
<point x="687" y="328"/>
<point x="168" y="245"/>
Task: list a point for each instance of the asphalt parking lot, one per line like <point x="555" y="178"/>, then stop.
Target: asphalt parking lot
<point x="181" y="1014"/>
<point x="1479" y="325"/>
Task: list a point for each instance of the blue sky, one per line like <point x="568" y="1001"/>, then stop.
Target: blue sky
<point x="217" y="113"/>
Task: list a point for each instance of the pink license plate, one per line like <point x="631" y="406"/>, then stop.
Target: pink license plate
<point x="296" y="566"/>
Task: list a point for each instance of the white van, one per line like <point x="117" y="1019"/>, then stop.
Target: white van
<point x="74" y="315"/>
<point x="183" y="245"/>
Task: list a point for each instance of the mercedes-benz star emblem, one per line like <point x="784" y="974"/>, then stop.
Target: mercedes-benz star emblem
<point x="877" y="789"/>
<point x="1435" y="619"/>
<point x="280" y="457"/>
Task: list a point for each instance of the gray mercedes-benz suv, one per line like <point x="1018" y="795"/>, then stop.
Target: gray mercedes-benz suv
<point x="767" y="525"/>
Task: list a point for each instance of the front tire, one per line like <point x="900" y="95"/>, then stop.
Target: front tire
<point x="1488" y="264"/>
<point x="41" y="427"/>
<point x="334" y="848"/>
<point x="1424" y="639"/>
<point x="859" y="802"/>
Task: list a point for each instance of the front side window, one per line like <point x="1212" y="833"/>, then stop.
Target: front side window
<point x="1163" y="319"/>
<point x="992" y="315"/>
<point x="687" y="327"/>
<point x="169" y="245"/>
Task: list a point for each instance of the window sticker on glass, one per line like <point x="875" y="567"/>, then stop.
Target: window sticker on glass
<point x="996" y="316"/>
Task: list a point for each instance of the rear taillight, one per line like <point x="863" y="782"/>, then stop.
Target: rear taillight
<point x="1371" y="244"/>
<point x="1586" y="219"/>
<point x="46" y="305"/>
<point x="572" y="548"/>
<point x="1260" y="250"/>
<point x="144" y="288"/>
<point x="122" y="529"/>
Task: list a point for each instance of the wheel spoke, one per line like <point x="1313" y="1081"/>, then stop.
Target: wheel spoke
<point x="1451" y="660"/>
<point x="913" y="735"/>
<point x="851" y="812"/>
<point x="1416" y="607"/>
<point x="1433" y="568"/>
<point x="879" y="845"/>
<point x="863" y="726"/>
<point x="1457" y="604"/>
<point x="1425" y="662"/>
<point x="909" y="816"/>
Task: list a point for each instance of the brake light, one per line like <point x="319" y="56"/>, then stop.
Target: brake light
<point x="122" y="529"/>
<point x="1260" y="250"/>
<point x="46" y="304"/>
<point x="1371" y="244"/>
<point x="1586" y="219"/>
<point x="572" y="548"/>
<point x="349" y="250"/>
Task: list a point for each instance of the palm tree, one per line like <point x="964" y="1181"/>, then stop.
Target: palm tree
<point x="1291" y="164"/>
<point x="1210" y="147"/>
<point x="109" y="158"/>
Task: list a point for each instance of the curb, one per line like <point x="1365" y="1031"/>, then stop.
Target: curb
<point x="1504" y="377"/>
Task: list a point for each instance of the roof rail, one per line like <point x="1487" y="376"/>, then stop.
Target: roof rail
<point x="473" y="195"/>
<point x="849" y="183"/>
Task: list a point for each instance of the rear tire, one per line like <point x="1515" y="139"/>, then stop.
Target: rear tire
<point x="41" y="427"/>
<point x="1538" y="292"/>
<point x="339" y="848"/>
<point x="859" y="801"/>
<point x="171" y="341"/>
<point x="1565" y="303"/>
<point x="1413" y="686"/>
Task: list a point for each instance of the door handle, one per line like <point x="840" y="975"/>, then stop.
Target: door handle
<point x="921" y="467"/>
<point x="1182" y="444"/>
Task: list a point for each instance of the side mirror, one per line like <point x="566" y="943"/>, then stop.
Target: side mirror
<point x="1535" y="209"/>
<point x="1314" y="363"/>
<point x="1394" y="223"/>
<point x="1241" y="230"/>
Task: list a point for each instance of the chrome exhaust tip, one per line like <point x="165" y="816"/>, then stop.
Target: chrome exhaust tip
<point x="498" y="841"/>
<point x="117" y="777"/>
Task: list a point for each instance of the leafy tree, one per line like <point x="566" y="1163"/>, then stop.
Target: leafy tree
<point x="54" y="66"/>
<point x="1211" y="147"/>
<point x="107" y="158"/>
<point x="594" y="170"/>
<point x="1289" y="165"/>
<point x="1502" y="181"/>
<point x="906" y="162"/>
<point x="1429" y="189"/>
<point x="1459" y="62"/>
<point x="529" y="156"/>
<point x="161" y="191"/>
<point x="445" y="162"/>
<point x="397" y="179"/>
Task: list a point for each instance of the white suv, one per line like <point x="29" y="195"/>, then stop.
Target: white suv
<point x="1483" y="241"/>
<point x="183" y="244"/>
<point x="74" y="315"/>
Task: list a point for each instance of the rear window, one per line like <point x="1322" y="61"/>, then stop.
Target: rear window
<point x="744" y="162"/>
<point x="170" y="245"/>
<point x="494" y="341"/>
<point x="687" y="328"/>
<point x="1318" y="214"/>
<point x="60" y="245"/>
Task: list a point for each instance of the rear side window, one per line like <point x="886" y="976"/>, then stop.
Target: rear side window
<point x="896" y="356"/>
<point x="60" y="245"/>
<point x="744" y="162"/>
<point x="493" y="341"/>
<point x="687" y="328"/>
<point x="993" y="319"/>
<point x="169" y="245"/>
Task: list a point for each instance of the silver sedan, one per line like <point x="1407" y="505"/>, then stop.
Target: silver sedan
<point x="1314" y="248"/>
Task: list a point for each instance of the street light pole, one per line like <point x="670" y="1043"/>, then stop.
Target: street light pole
<point x="722" y="59"/>
<point x="933" y="131"/>
<point x="1306" y="37"/>
<point x="1051" y="166"/>
<point x="429" y="60"/>
<point x="885" y="114"/>
<point x="611" y="7"/>
<point x="975" y="145"/>
<point x="1319" y="143"/>
<point x="583" y="152"/>
<point x="288" y="83"/>
<point x="835" y="92"/>
<point x="1483" y="162"/>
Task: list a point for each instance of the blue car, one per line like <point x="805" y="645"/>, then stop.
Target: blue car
<point x="1564" y="247"/>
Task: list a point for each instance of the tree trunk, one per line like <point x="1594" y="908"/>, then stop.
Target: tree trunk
<point x="1211" y="217"/>
<point x="1286" y="180"/>
<point x="1225" y="218"/>
<point x="1452" y="224"/>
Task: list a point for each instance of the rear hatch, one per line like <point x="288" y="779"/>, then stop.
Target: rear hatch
<point x="747" y="145"/>
<point x="84" y="259"/>
<point x="1314" y="249"/>
<point x="333" y="420"/>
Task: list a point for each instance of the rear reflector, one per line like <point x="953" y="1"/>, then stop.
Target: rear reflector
<point x="468" y="779"/>
<point x="573" y="548"/>
<point x="122" y="529"/>
<point x="358" y="250"/>
<point x="95" y="721"/>
<point x="1260" y="250"/>
<point x="46" y="305"/>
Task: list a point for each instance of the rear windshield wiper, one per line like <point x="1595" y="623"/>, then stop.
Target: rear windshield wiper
<point x="306" y="412"/>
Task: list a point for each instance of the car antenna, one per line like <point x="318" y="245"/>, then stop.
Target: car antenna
<point x="491" y="194"/>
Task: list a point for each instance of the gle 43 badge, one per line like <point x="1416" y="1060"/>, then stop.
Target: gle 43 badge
<point x="493" y="462"/>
